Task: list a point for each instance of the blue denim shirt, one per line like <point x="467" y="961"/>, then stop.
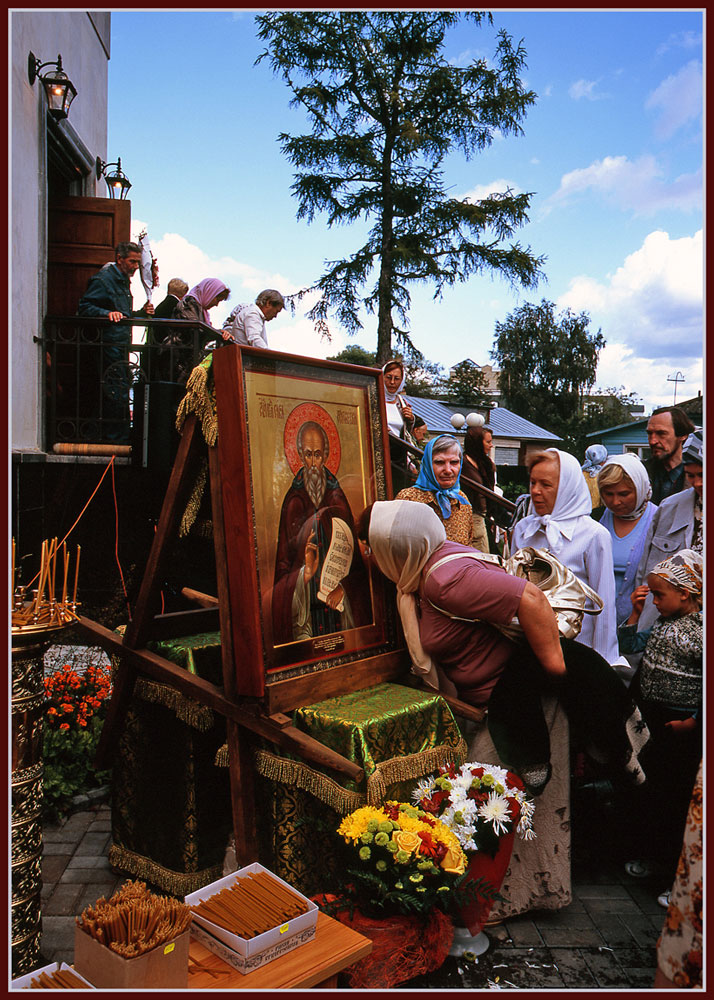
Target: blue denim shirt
<point x="107" y="291"/>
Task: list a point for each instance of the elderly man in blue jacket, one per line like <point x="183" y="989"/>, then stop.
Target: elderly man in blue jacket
<point x="108" y="295"/>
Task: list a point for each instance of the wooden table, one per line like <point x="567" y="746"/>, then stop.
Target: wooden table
<point x="334" y="947"/>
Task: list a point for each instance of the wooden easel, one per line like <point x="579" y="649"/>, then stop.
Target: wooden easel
<point x="246" y="716"/>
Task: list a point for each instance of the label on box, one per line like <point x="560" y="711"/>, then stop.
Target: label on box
<point x="169" y="948"/>
<point x="245" y="965"/>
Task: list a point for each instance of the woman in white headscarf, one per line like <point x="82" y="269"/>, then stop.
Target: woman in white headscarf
<point x="625" y="490"/>
<point x="449" y="601"/>
<point x="559" y="520"/>
<point x="400" y="416"/>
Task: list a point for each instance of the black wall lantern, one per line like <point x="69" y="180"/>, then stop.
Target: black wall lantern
<point x="59" y="88"/>
<point x="117" y="181"/>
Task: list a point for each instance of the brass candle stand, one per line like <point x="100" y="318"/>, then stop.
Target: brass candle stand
<point x="37" y="623"/>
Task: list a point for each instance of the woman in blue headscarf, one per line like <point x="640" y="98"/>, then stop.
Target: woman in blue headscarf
<point x="438" y="485"/>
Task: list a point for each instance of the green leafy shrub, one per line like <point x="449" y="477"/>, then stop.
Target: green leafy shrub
<point x="75" y="710"/>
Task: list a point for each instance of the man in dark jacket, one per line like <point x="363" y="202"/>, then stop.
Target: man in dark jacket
<point x="667" y="430"/>
<point x="108" y="295"/>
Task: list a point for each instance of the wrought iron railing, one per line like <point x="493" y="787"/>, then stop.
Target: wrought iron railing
<point x="96" y="371"/>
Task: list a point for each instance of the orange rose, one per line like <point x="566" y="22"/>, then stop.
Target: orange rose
<point x="407" y="841"/>
<point x="453" y="861"/>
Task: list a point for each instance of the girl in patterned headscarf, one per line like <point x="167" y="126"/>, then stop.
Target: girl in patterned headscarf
<point x="668" y="689"/>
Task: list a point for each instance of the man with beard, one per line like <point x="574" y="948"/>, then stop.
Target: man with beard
<point x="667" y="430"/>
<point x="312" y="503"/>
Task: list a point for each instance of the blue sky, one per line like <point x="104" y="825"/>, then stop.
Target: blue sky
<point x="612" y="150"/>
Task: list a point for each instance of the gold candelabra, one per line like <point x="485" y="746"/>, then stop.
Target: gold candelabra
<point x="45" y="609"/>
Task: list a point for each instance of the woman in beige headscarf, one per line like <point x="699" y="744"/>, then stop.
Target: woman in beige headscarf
<point x="449" y="600"/>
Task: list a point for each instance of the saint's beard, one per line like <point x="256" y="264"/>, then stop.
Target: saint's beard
<point x="315" y="482"/>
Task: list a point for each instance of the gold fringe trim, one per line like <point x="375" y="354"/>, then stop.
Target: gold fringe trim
<point x="299" y="775"/>
<point x="175" y="883"/>
<point x="200" y="399"/>
<point x="329" y="791"/>
<point x="194" y="501"/>
<point x="221" y="758"/>
<point x="414" y="765"/>
<point x="187" y="710"/>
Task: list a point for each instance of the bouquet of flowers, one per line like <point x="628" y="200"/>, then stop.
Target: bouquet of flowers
<point x="484" y="806"/>
<point x="479" y="803"/>
<point x="400" y="859"/>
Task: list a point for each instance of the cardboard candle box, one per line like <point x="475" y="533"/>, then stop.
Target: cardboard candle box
<point x="23" y="982"/>
<point x="247" y="954"/>
<point x="163" y="967"/>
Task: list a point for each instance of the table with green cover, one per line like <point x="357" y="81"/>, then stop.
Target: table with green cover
<point x="395" y="733"/>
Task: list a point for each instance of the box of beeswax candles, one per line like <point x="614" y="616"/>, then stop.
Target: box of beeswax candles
<point x="136" y="940"/>
<point x="253" y="914"/>
<point x="56" y="976"/>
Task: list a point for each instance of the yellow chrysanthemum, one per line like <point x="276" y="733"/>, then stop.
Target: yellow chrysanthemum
<point x="353" y="826"/>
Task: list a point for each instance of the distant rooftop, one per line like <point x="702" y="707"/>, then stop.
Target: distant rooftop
<point x="502" y="422"/>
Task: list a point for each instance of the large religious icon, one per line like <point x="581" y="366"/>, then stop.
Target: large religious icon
<point x="321" y="585"/>
<point x="307" y="456"/>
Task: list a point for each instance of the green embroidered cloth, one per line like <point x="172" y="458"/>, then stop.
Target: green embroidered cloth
<point x="394" y="733"/>
<point x="200" y="654"/>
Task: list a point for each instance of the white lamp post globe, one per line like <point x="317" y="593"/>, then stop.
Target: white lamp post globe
<point x="457" y="421"/>
<point x="475" y="420"/>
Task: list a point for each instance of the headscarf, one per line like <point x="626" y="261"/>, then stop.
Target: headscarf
<point x="635" y="470"/>
<point x="572" y="502"/>
<point x="685" y="569"/>
<point x="595" y="455"/>
<point x="204" y="292"/>
<point x="693" y="449"/>
<point x="391" y="397"/>
<point x="426" y="480"/>
<point x="403" y="537"/>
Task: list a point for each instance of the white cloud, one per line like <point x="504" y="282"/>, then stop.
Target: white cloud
<point x="632" y="185"/>
<point x="482" y="191"/>
<point x="677" y="100"/>
<point x="585" y="89"/>
<point x="650" y="312"/>
<point x="680" y="40"/>
<point x="178" y="258"/>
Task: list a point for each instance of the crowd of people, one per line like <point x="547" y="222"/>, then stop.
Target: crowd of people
<point x="631" y="681"/>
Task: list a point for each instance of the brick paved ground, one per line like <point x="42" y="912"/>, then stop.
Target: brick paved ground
<point x="604" y="940"/>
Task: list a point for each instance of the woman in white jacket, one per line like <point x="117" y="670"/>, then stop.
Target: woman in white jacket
<point x="559" y="520"/>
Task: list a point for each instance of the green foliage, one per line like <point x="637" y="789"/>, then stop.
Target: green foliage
<point x="355" y="355"/>
<point x="546" y="365"/>
<point x="75" y="708"/>
<point x="465" y="386"/>
<point x="385" y="109"/>
<point x="68" y="770"/>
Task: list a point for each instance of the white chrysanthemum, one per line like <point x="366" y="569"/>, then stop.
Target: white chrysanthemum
<point x="495" y="811"/>
<point x="525" y="823"/>
<point x="424" y="788"/>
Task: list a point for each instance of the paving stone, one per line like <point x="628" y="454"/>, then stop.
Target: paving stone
<point x="602" y="891"/>
<point x="573" y="970"/>
<point x="605" y="966"/>
<point x="524" y="934"/>
<point x="58" y="933"/>
<point x="616" y="904"/>
<point x="89" y="861"/>
<point x="571" y="937"/>
<point x="93" y="842"/>
<point x="65" y="849"/>
<point x="614" y="929"/>
<point x="93" y="892"/>
<point x="63" y="901"/>
<point x="53" y="866"/>
<point x="643" y="929"/>
<point x="75" y="876"/>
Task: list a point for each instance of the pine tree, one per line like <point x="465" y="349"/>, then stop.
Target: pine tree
<point x="385" y="108"/>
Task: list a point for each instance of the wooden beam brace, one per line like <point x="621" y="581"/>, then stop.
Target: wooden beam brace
<point x="155" y="666"/>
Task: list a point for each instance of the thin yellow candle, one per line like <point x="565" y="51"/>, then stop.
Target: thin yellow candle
<point x="76" y="575"/>
<point x="12" y="590"/>
<point x="53" y="558"/>
<point x="66" y="568"/>
<point x="40" y="585"/>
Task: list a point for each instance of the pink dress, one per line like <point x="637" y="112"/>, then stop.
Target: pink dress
<point x="472" y="654"/>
